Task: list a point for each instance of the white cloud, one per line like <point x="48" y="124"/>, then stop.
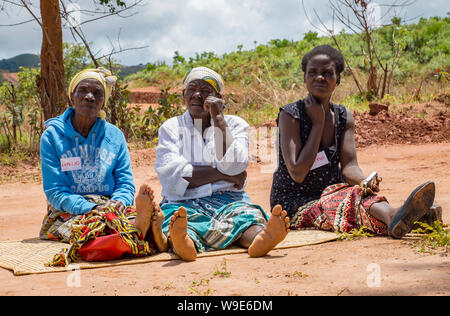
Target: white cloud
<point x="188" y="26"/>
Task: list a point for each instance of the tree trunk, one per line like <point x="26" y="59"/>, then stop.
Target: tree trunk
<point x="385" y="77"/>
<point x="372" y="81"/>
<point x="52" y="81"/>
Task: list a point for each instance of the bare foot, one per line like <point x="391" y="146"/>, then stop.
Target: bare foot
<point x="158" y="235"/>
<point x="182" y="244"/>
<point x="144" y="208"/>
<point x="276" y="230"/>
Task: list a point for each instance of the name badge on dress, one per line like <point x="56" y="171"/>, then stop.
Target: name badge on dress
<point x="321" y="160"/>
<point x="70" y="164"/>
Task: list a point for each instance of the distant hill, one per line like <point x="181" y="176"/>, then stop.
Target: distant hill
<point x="23" y="60"/>
<point x="129" y="70"/>
<point x="33" y="61"/>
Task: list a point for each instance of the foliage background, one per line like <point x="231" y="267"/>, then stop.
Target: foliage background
<point x="259" y="80"/>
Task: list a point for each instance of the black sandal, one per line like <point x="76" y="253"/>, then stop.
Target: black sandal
<point x="415" y="207"/>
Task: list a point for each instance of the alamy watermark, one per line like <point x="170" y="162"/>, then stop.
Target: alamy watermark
<point x="72" y="15"/>
<point x="258" y="145"/>
<point x="74" y="277"/>
<point x="374" y="277"/>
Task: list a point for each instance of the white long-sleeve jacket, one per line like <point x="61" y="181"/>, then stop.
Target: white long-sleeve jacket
<point x="181" y="147"/>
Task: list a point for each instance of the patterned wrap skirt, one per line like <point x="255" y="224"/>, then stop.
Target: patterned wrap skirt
<point x="341" y="208"/>
<point x="215" y="222"/>
<point x="77" y="230"/>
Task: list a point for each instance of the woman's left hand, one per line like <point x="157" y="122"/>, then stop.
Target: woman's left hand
<point x="372" y="187"/>
<point x="118" y="205"/>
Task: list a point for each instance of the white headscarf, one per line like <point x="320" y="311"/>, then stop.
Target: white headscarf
<point x="205" y="74"/>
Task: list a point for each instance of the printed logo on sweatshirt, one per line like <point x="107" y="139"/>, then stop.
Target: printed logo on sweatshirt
<point x="89" y="175"/>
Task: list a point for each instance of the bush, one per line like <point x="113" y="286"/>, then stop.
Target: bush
<point x="21" y="123"/>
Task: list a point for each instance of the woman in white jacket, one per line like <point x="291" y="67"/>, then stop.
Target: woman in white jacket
<point x="200" y="161"/>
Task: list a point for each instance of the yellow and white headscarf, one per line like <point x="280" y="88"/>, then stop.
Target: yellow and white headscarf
<point x="205" y="74"/>
<point x="100" y="74"/>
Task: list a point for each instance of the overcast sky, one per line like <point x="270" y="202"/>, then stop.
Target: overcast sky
<point x="188" y="26"/>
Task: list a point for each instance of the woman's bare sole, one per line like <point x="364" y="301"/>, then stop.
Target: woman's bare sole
<point x="158" y="235"/>
<point x="276" y="230"/>
<point x="182" y="244"/>
<point x="146" y="209"/>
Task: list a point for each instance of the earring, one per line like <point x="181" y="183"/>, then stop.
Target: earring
<point x="101" y="115"/>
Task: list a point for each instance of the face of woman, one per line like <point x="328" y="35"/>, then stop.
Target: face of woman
<point x="320" y="77"/>
<point x="195" y="95"/>
<point x="88" y="98"/>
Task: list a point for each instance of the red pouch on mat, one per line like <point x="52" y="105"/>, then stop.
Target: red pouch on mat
<point x="104" y="248"/>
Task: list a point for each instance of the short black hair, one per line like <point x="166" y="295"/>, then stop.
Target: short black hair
<point x="335" y="55"/>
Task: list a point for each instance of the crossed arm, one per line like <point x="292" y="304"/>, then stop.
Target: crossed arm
<point x="202" y="175"/>
<point x="223" y="138"/>
<point x="177" y="173"/>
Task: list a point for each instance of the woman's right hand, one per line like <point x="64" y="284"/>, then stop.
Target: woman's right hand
<point x="314" y="109"/>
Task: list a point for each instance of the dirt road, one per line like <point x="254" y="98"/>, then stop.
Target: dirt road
<point x="372" y="266"/>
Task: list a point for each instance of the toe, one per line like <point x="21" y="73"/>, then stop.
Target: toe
<point x="142" y="189"/>
<point x="276" y="210"/>
<point x="181" y="212"/>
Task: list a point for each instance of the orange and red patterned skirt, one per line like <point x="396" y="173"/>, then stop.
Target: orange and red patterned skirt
<point x="341" y="208"/>
<point x="99" y="235"/>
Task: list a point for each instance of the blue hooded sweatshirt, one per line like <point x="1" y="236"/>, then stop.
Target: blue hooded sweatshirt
<point x="74" y="166"/>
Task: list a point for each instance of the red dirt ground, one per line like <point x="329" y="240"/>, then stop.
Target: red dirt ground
<point x="11" y="77"/>
<point x="335" y="268"/>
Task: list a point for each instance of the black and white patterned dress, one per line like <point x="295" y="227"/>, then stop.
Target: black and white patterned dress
<point x="290" y="194"/>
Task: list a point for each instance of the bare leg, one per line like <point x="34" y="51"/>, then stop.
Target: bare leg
<point x="158" y="235"/>
<point x="144" y="208"/>
<point x="248" y="236"/>
<point x="275" y="231"/>
<point x="182" y="244"/>
<point x="383" y="212"/>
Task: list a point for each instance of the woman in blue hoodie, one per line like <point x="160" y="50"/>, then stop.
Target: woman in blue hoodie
<point x="86" y="164"/>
